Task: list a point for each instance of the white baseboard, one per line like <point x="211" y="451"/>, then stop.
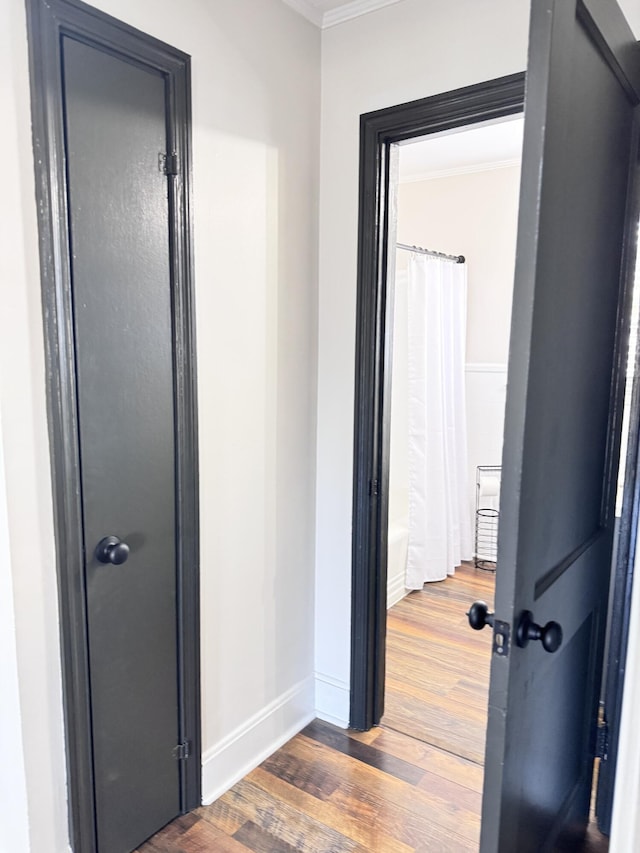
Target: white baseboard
<point x="396" y="590"/>
<point x="256" y="739"/>
<point x="332" y="700"/>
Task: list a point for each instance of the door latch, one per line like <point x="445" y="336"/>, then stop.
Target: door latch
<point x="479" y="616"/>
<point x="501" y="638"/>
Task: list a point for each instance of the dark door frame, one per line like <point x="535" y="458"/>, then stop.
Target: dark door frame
<point x="47" y="22"/>
<point x="380" y="131"/>
<point x="626" y="549"/>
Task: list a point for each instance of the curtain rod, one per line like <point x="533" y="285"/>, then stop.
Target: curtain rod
<point x="458" y="259"/>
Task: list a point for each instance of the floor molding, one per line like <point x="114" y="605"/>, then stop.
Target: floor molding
<point x="332" y="700"/>
<point x="256" y="739"/>
<point x="396" y="590"/>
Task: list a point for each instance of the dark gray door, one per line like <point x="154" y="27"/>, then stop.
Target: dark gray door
<point x="116" y="127"/>
<point x="562" y="419"/>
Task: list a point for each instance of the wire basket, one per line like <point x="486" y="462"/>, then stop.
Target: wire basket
<point x="486" y="539"/>
<point x="487" y="516"/>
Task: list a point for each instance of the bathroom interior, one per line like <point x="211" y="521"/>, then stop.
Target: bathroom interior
<point x="457" y="194"/>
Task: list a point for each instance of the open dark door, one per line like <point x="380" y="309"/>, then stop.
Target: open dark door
<point x="576" y="243"/>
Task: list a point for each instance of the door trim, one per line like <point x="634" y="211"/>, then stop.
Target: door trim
<point x="379" y="131"/>
<point x="47" y="21"/>
<point x="623" y="568"/>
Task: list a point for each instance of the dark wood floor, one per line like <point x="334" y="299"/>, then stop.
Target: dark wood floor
<point x="329" y="791"/>
<point x="411" y="785"/>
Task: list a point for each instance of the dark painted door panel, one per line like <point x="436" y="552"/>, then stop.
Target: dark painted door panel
<point x="562" y="420"/>
<point x="115" y="125"/>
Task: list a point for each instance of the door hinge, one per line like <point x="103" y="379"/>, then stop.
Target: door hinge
<point x="602" y="741"/>
<point x="168" y="163"/>
<point x="182" y="750"/>
<point x="374" y="487"/>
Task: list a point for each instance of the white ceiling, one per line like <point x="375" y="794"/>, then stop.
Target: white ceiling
<point x="482" y="146"/>
<point x="327" y="13"/>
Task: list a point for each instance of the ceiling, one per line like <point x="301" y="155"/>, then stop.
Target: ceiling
<point x="482" y="146"/>
<point x="327" y="13"/>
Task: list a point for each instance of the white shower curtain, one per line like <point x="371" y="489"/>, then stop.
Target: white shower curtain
<point x="439" y="516"/>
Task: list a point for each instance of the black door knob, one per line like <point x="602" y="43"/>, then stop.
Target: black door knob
<point x="479" y="615"/>
<point x="112" y="550"/>
<point x="550" y="635"/>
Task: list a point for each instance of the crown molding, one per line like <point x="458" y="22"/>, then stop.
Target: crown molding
<point x="353" y="10"/>
<point x="459" y="170"/>
<point x="331" y="17"/>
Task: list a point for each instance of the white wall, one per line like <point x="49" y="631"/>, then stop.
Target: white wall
<point x="14" y="819"/>
<point x="473" y="214"/>
<point x="256" y="138"/>
<point x="625" y="825"/>
<point x="402" y="52"/>
<point x="25" y="450"/>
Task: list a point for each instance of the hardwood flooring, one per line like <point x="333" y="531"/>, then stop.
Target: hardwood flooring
<point x="437" y="680"/>
<point x="331" y="791"/>
<point x="412" y="785"/>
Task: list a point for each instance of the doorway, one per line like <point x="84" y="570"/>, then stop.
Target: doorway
<point x="371" y="483"/>
<point x="112" y="140"/>
<point x="457" y="193"/>
<point x="381" y="132"/>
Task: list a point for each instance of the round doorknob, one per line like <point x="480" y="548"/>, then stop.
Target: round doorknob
<point x="479" y="615"/>
<point x="550" y="635"/>
<point x="112" y="550"/>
